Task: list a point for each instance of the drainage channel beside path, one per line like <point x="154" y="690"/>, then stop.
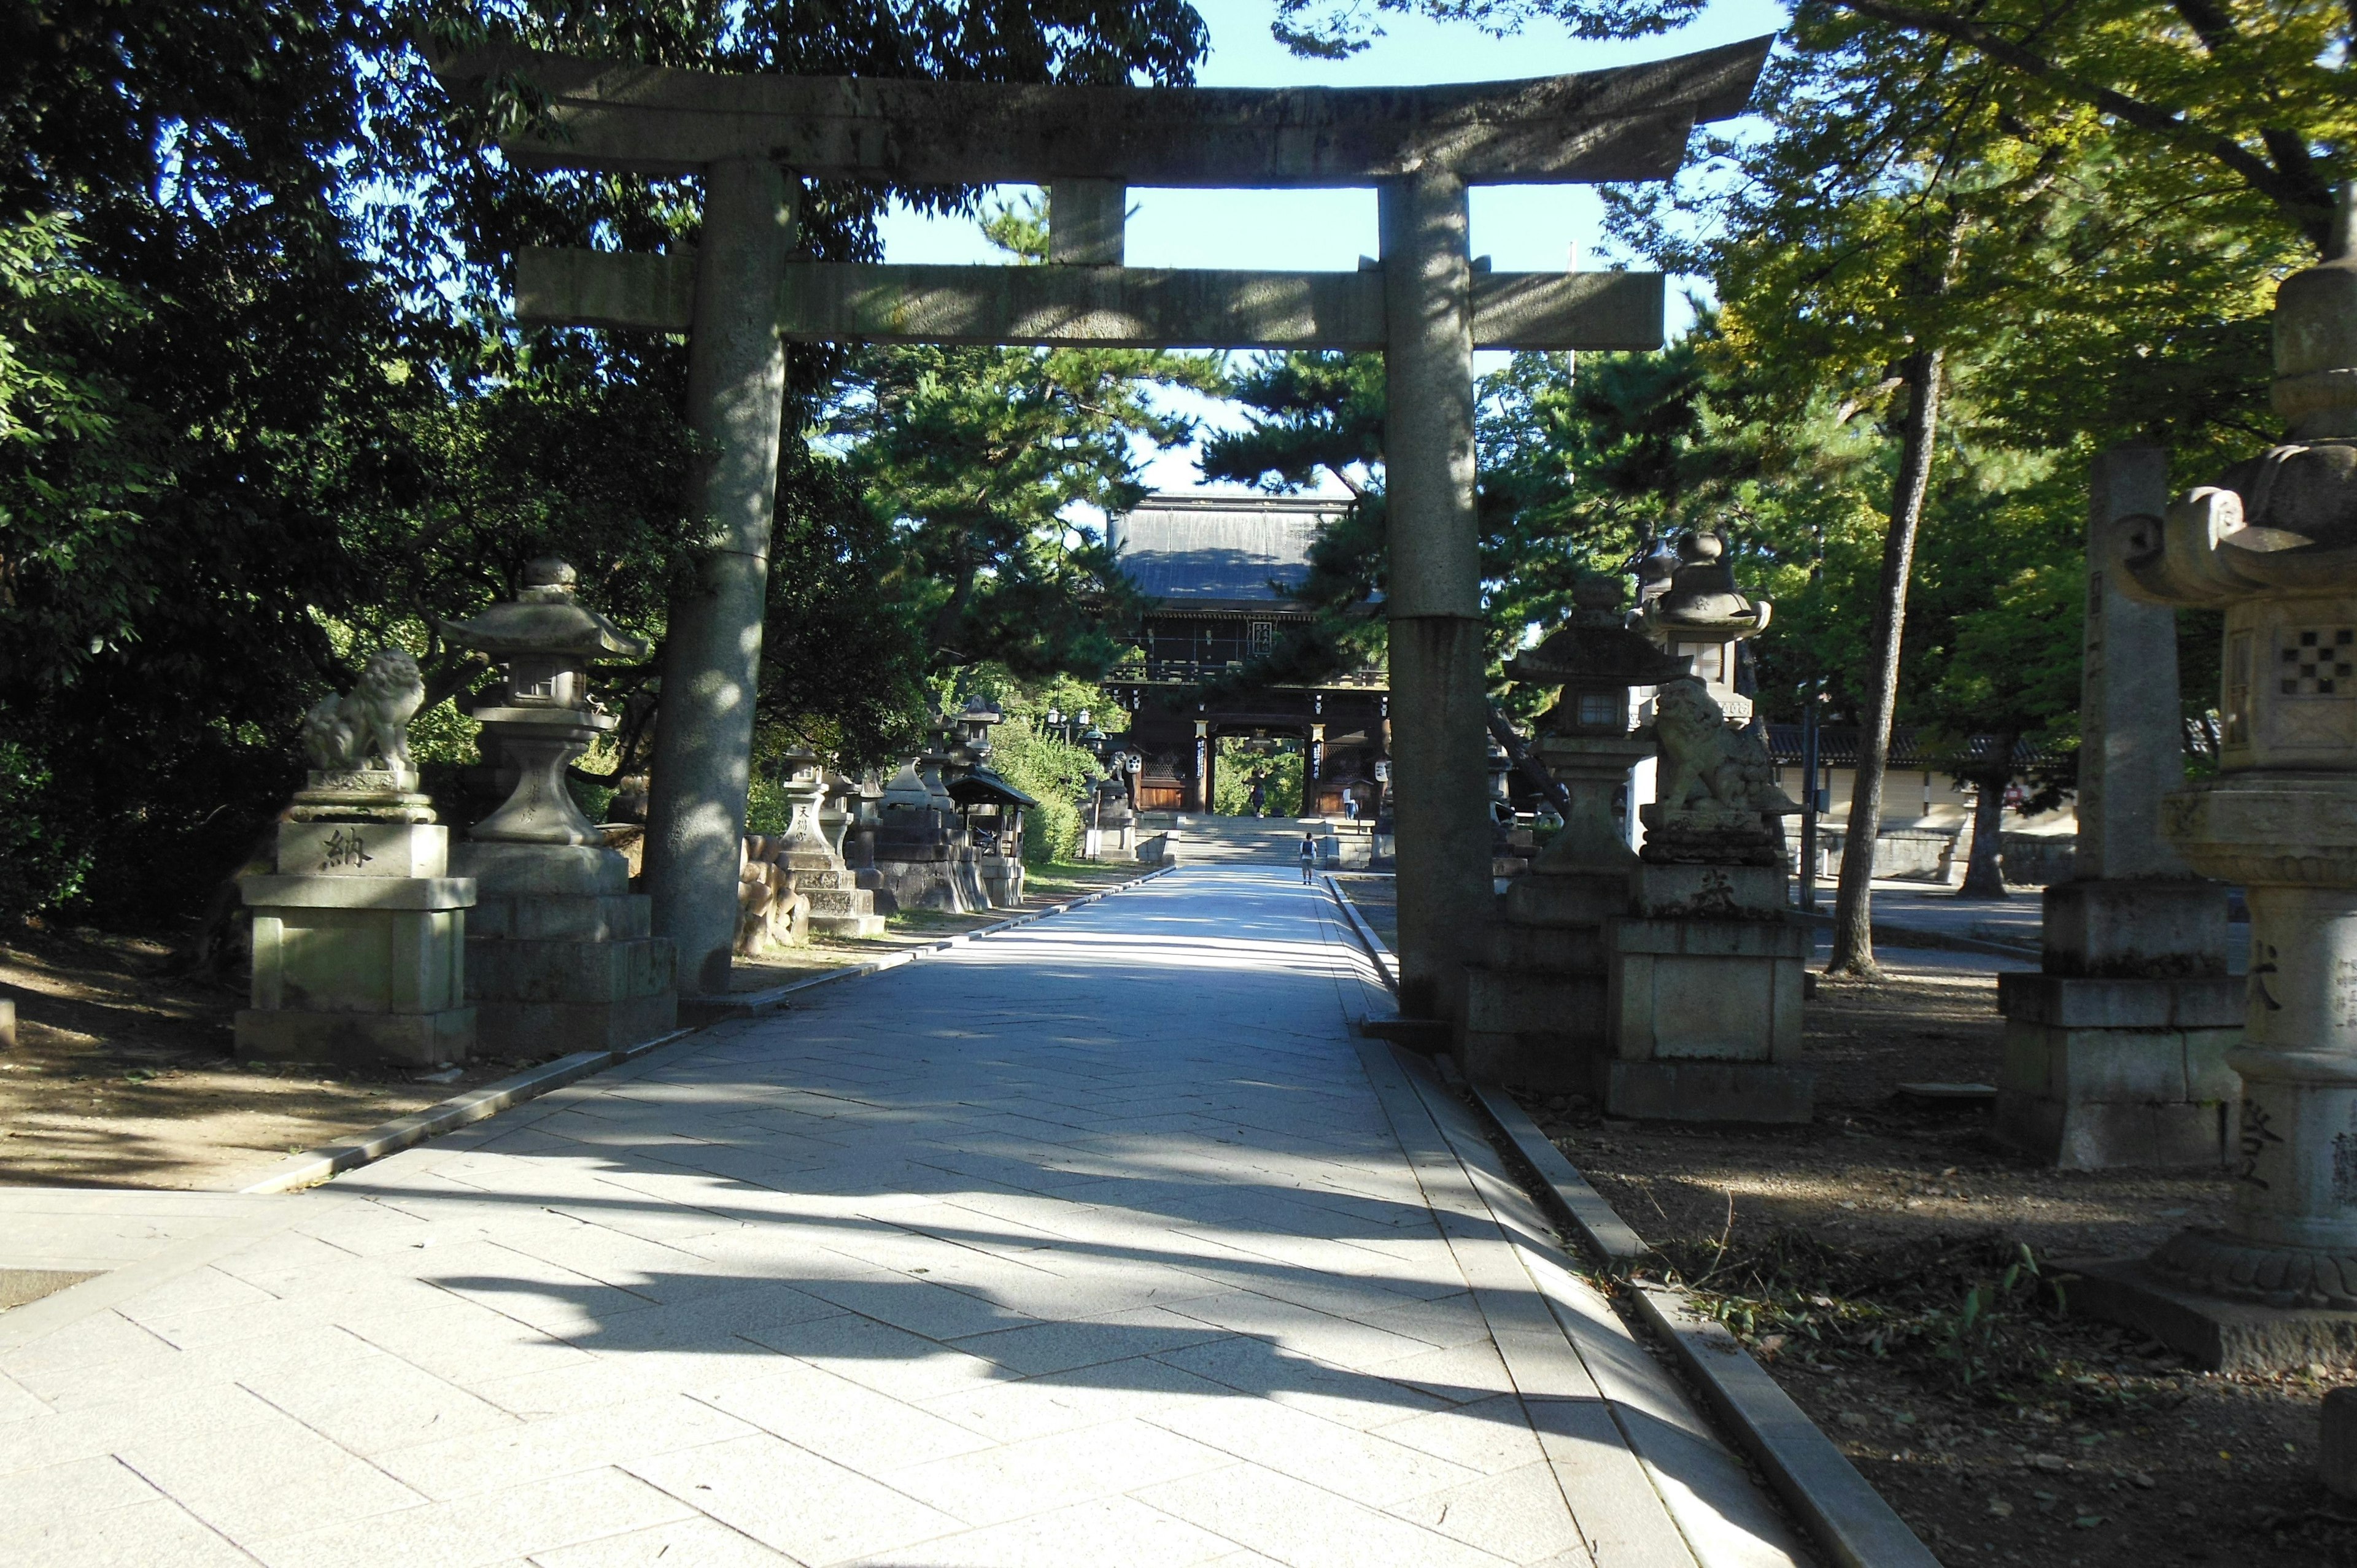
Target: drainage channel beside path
<point x="1100" y="1241"/>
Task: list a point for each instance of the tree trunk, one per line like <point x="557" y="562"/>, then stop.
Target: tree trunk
<point x="1852" y="946"/>
<point x="1984" y="877"/>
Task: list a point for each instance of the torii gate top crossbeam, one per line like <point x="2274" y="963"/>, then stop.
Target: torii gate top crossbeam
<point x="1629" y="123"/>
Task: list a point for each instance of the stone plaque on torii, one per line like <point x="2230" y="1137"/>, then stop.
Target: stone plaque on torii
<point x="740" y="297"/>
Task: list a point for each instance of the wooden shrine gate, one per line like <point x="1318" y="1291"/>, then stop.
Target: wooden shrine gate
<point x="1426" y="305"/>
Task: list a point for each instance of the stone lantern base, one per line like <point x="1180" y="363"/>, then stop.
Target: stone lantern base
<point x="559" y="955"/>
<point x="839" y="906"/>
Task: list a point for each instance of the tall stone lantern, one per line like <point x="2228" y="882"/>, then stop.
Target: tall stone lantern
<point x="1535" y="1007"/>
<point x="2273" y="543"/>
<point x="560" y="955"/>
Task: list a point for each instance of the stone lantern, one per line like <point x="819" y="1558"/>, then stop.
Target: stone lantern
<point x="1536" y="1008"/>
<point x="1701" y="618"/>
<point x="544" y="719"/>
<point x="560" y="954"/>
<point x="839" y="907"/>
<point x="1667" y="984"/>
<point x="2274" y="544"/>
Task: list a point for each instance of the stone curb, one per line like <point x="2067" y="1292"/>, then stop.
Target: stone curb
<point x="313" y="1166"/>
<point x="1847" y="1518"/>
<point x="1599" y="1225"/>
<point x="1385" y="964"/>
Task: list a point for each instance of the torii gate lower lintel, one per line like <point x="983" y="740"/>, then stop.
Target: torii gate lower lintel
<point x="1425" y="306"/>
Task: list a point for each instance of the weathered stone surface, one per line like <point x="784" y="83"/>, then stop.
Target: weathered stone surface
<point x="536" y="871"/>
<point x="363" y="849"/>
<point x="559" y="955"/>
<point x="2219" y="1334"/>
<point x="2164" y="928"/>
<point x="1623" y="123"/>
<point x="2130" y="751"/>
<point x="2068" y="1003"/>
<point x="416" y="1039"/>
<point x="1705" y="989"/>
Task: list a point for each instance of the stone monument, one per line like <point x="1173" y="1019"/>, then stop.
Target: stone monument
<point x="2115" y="1050"/>
<point x="839" y="907"/>
<point x="2274" y="544"/>
<point x="915" y="840"/>
<point x="1535" y="1007"/>
<point x="560" y="957"/>
<point x="359" y="933"/>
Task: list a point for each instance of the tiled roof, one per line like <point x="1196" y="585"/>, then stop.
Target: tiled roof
<point x="1838" y="747"/>
<point x="1226" y="549"/>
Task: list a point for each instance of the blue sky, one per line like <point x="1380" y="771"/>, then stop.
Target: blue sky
<point x="1532" y="227"/>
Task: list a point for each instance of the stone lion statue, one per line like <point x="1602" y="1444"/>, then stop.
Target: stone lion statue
<point x="370" y="721"/>
<point x="1707" y="762"/>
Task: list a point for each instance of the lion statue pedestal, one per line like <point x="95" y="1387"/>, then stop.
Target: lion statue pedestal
<point x="360" y="936"/>
<point x="1704" y="971"/>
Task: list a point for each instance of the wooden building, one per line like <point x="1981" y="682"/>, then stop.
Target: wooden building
<point x="1216" y="566"/>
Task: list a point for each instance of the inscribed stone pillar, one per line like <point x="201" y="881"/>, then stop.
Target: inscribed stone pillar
<point x="2115" y="1051"/>
<point x="712" y="650"/>
<point x="1437" y="667"/>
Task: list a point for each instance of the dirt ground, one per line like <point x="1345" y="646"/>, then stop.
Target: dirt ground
<point x="123" y="1076"/>
<point x="1865" y="1258"/>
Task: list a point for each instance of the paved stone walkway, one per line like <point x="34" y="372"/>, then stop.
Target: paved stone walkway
<point x="1099" y="1243"/>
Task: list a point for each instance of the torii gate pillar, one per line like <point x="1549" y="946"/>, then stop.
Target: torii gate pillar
<point x="712" y="653"/>
<point x="1437" y="667"/>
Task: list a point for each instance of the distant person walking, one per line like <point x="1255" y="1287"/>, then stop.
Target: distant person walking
<point x="1350" y="807"/>
<point x="1309" y="854"/>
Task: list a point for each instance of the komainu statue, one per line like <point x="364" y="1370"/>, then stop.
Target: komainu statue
<point x="369" y="722"/>
<point x="1716" y="784"/>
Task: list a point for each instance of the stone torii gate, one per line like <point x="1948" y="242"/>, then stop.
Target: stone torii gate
<point x="1426" y="306"/>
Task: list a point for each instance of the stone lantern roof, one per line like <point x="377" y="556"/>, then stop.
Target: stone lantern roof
<point x="545" y="618"/>
<point x="1703" y="602"/>
<point x="1596" y="653"/>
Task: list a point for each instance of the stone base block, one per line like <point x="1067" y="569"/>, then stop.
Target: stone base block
<point x="411" y="1039"/>
<point x="1556" y="1063"/>
<point x="2135" y="929"/>
<point x="1546" y="950"/>
<point x="1706" y="1090"/>
<point x="363" y="849"/>
<point x="2104" y="1073"/>
<point x="563" y="918"/>
<point x="540" y="870"/>
<point x="1715" y="991"/>
<point x="1548" y="898"/>
<point x="526" y="1031"/>
<point x="847" y="909"/>
<point x="2220" y="1336"/>
<point x="568" y="972"/>
<point x="1520" y="1002"/>
<point x="1673" y="891"/>
<point x="928" y="885"/>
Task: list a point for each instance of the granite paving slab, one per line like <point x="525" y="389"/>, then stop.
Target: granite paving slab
<point x="1101" y="1241"/>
